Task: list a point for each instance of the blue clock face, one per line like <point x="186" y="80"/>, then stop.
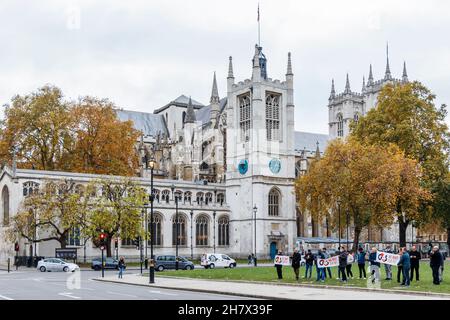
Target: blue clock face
<point x="243" y="166"/>
<point x="275" y="165"/>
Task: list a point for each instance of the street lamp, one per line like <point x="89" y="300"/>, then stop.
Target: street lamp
<point x="172" y="187"/>
<point x="255" y="209"/>
<point x="339" y="222"/>
<point x="347" y="227"/>
<point x="214" y="230"/>
<point x="152" y="197"/>
<point x="412" y="232"/>
<point x="192" y="244"/>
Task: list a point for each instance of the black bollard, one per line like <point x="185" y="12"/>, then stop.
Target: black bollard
<point x="9" y="261"/>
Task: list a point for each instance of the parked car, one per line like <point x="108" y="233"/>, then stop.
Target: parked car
<point x="217" y="260"/>
<point x="110" y="263"/>
<point x="168" y="262"/>
<point x="56" y="264"/>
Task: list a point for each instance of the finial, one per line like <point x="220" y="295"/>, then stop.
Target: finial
<point x="317" y="150"/>
<point x="230" y="68"/>
<point x="404" y="75"/>
<point x="364" y="85"/>
<point x="333" y="92"/>
<point x="347" y="86"/>
<point x="387" y="74"/>
<point x="190" y="114"/>
<point x="214" y="93"/>
<point x="289" y="65"/>
<point x="370" y="79"/>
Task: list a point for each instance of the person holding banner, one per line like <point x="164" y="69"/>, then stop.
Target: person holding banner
<point x="343" y="263"/>
<point x="326" y="255"/>
<point x="388" y="267"/>
<point x="279" y="267"/>
<point x="405" y="261"/>
<point x="296" y="259"/>
<point x="361" y="262"/>
<point x="320" y="271"/>
<point x="348" y="267"/>
<point x="374" y="265"/>
<point x="309" y="260"/>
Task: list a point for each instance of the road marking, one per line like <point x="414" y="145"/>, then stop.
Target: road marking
<point x="165" y="293"/>
<point x="69" y="295"/>
<point x="122" y="294"/>
<point x="5" y="297"/>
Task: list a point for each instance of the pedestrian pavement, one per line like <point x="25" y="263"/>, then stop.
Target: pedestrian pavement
<point x="270" y="291"/>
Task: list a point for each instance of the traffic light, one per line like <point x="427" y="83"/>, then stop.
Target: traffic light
<point x="136" y="243"/>
<point x="102" y="240"/>
<point x="16" y="247"/>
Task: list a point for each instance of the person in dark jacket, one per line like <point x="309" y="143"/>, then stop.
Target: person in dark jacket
<point x="121" y="266"/>
<point x="361" y="258"/>
<point x="309" y="260"/>
<point x="415" y="262"/>
<point x="279" y="268"/>
<point x="436" y="261"/>
<point x="374" y="265"/>
<point x="296" y="259"/>
<point x="405" y="261"/>
<point x="343" y="263"/>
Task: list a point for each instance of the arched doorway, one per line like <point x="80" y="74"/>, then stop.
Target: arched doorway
<point x="273" y="249"/>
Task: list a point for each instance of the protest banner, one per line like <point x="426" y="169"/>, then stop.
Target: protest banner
<point x="330" y="262"/>
<point x="387" y="258"/>
<point x="283" y="260"/>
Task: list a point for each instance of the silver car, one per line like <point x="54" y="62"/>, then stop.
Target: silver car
<point x="56" y="264"/>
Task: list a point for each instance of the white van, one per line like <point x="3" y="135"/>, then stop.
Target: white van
<point x="217" y="260"/>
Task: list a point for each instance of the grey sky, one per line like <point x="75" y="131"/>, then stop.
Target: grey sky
<point x="142" y="54"/>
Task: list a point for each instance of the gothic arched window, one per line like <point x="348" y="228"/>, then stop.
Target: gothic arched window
<point x="156" y="195"/>
<point x="224" y="231"/>
<point x="273" y="117"/>
<point x="165" y="196"/>
<point x="5" y="203"/>
<point x="274" y="202"/>
<point x="201" y="230"/>
<point x="30" y="188"/>
<point x="181" y="230"/>
<point x="245" y="114"/>
<point x="220" y="198"/>
<point x="208" y="198"/>
<point x="200" y="197"/>
<point x="356" y="117"/>
<point x="178" y="196"/>
<point x="157" y="230"/>
<point x="187" y="197"/>
<point x="340" y="125"/>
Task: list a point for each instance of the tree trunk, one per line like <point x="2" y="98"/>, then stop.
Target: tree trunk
<point x="108" y="247"/>
<point x="448" y="239"/>
<point x="356" y="239"/>
<point x="402" y="231"/>
<point x="63" y="241"/>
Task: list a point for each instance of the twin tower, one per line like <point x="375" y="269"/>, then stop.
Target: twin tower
<point x="260" y="160"/>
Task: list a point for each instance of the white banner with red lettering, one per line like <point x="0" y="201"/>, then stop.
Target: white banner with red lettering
<point x="387" y="258"/>
<point x="330" y="262"/>
<point x="283" y="260"/>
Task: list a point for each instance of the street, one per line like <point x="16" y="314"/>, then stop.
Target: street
<point x="35" y="285"/>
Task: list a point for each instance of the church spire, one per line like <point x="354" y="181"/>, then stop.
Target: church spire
<point x="387" y="74"/>
<point x="333" y="92"/>
<point x="215" y="92"/>
<point x="404" y="75"/>
<point x="363" y="85"/>
<point x="190" y="114"/>
<point x="370" y="79"/>
<point x="230" y="68"/>
<point x="317" y="150"/>
<point x="347" y="86"/>
<point x="289" y="65"/>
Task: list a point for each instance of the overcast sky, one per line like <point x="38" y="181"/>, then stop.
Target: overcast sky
<point x="143" y="54"/>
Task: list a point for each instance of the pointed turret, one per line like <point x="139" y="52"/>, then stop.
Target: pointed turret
<point x="289" y="65"/>
<point x="347" y="86"/>
<point x="214" y="92"/>
<point x="404" y="75"/>
<point x="190" y="114"/>
<point x="317" y="150"/>
<point x="363" y="85"/>
<point x="370" y="79"/>
<point x="230" y="68"/>
<point x="387" y="74"/>
<point x="256" y="75"/>
<point x="333" y="92"/>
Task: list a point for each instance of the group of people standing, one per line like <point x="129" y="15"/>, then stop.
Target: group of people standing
<point x="407" y="267"/>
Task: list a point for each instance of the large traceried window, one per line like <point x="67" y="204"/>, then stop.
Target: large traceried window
<point x="201" y="230"/>
<point x="181" y="230"/>
<point x="340" y="125"/>
<point x="245" y="114"/>
<point x="274" y="203"/>
<point x="157" y="230"/>
<point x="273" y="116"/>
<point x="30" y="188"/>
<point x="224" y="231"/>
<point x="5" y="203"/>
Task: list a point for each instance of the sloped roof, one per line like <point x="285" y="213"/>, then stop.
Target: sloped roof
<point x="150" y="124"/>
<point x="204" y="114"/>
<point x="308" y="141"/>
<point x="181" y="101"/>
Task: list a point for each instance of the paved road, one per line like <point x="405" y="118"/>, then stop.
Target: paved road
<point x="35" y="285"/>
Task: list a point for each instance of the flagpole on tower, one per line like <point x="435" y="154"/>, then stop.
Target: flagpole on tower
<point x="259" y="30"/>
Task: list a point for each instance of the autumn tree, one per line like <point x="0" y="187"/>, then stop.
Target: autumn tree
<point x="406" y="115"/>
<point x="103" y="143"/>
<point x="37" y="126"/>
<point x="117" y="210"/>
<point x="49" y="214"/>
<point x="442" y="204"/>
<point x="366" y="180"/>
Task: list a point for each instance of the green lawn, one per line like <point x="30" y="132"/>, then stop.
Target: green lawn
<point x="268" y="274"/>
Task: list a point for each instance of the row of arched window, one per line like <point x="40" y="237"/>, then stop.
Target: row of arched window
<point x="340" y="123"/>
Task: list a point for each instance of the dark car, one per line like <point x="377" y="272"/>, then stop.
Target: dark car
<point x="168" y="262"/>
<point x="110" y="263"/>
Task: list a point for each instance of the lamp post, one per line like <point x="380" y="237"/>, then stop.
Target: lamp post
<point x="255" y="209"/>
<point x="214" y="230"/>
<point x="172" y="187"/>
<point x="347" y="218"/>
<point x="412" y="233"/>
<point x="152" y="197"/>
<point x="339" y="222"/>
<point x="192" y="244"/>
